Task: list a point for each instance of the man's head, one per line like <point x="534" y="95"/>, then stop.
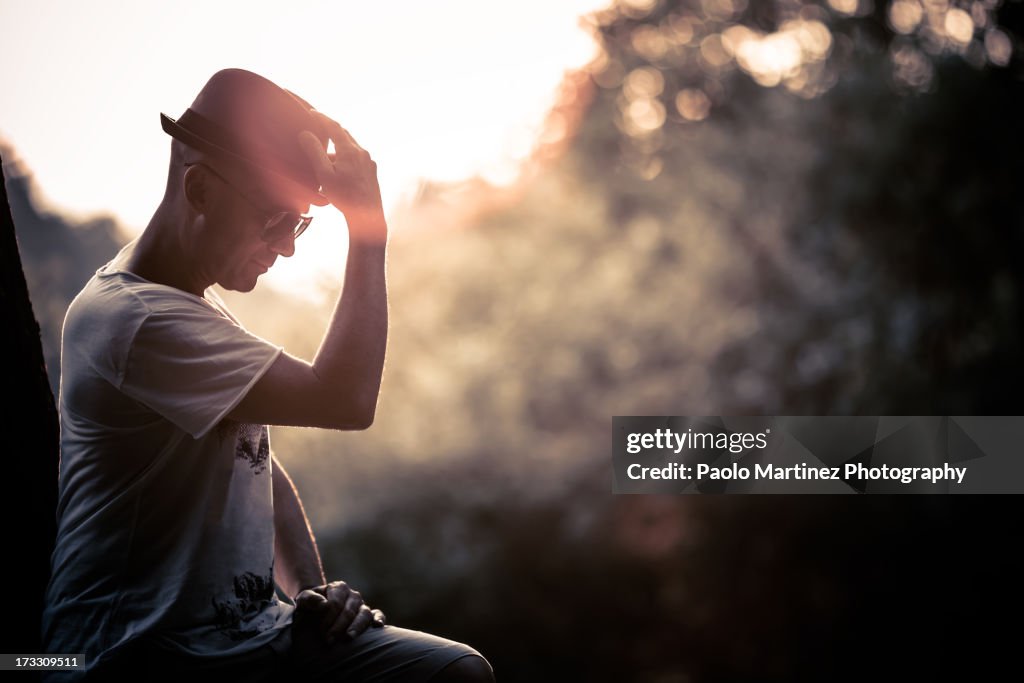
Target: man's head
<point x="246" y="119"/>
<point x="240" y="177"/>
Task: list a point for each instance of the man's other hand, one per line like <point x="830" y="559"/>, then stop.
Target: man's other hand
<point x="339" y="609"/>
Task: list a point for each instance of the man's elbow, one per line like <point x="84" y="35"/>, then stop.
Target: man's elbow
<point x="363" y="420"/>
<point x="356" y="416"/>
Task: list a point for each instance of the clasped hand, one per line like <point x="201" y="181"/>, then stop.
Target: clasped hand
<point x="338" y="610"/>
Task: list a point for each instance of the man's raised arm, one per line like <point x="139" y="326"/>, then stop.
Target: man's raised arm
<point x="339" y="389"/>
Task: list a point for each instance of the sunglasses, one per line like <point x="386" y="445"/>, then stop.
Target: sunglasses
<point x="279" y="224"/>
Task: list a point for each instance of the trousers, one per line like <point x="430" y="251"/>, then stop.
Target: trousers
<point x="384" y="654"/>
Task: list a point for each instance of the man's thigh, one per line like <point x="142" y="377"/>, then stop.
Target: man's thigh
<point x="378" y="655"/>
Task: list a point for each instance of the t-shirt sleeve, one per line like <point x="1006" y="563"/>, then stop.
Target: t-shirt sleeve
<point x="193" y="366"/>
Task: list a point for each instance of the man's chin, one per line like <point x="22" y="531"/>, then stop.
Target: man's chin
<point x="246" y="286"/>
<point x="244" y="279"/>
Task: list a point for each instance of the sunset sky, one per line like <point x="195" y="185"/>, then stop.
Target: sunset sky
<point x="441" y="90"/>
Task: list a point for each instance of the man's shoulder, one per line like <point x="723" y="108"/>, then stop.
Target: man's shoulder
<point x="113" y="305"/>
<point x="113" y="295"/>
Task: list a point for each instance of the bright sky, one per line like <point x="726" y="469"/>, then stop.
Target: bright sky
<point x="441" y="90"/>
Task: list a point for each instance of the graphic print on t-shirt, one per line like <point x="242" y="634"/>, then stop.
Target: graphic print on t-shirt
<point x="252" y="593"/>
<point x="253" y="445"/>
<point x="252" y="442"/>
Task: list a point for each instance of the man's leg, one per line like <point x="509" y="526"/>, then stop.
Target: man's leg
<point x="379" y="655"/>
<point x="468" y="669"/>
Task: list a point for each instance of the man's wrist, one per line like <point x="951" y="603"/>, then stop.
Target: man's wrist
<point x="306" y="587"/>
<point x="368" y="227"/>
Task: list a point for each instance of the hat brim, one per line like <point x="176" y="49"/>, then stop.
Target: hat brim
<point x="179" y="132"/>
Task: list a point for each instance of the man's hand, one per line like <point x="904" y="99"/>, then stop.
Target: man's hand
<point x="348" y="178"/>
<point x="339" y="608"/>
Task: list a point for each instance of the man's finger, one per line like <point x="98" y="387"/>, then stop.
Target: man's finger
<point x="351" y="624"/>
<point x="338" y="595"/>
<point x="346" y="620"/>
<point x="337" y="133"/>
<point x="322" y="165"/>
<point x="362" y="622"/>
<point x="310" y="600"/>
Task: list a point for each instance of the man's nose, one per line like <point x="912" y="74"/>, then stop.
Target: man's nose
<point x="284" y="246"/>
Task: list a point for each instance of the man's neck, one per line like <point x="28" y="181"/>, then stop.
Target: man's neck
<point x="159" y="256"/>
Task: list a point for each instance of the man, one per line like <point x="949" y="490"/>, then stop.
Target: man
<point x="175" y="522"/>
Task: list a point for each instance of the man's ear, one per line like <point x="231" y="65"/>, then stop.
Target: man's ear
<point x="197" y="189"/>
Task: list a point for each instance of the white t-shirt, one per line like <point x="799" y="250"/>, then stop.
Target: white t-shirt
<point x="165" y="509"/>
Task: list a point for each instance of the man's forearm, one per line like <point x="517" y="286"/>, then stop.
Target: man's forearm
<point x="296" y="559"/>
<point x="351" y="356"/>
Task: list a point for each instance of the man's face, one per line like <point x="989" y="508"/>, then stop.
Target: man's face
<point x="236" y="251"/>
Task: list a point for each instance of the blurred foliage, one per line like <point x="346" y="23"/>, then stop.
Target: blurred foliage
<point x="59" y="255"/>
<point x="772" y="207"/>
<point x="865" y="242"/>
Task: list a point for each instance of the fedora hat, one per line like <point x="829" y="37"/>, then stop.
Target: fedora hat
<point x="243" y="117"/>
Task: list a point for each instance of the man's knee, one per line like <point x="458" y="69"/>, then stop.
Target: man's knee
<point x="468" y="669"/>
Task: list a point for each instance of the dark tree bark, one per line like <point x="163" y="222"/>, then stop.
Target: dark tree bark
<point x="32" y="453"/>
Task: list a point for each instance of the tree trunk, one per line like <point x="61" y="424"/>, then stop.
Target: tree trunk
<point x="30" y="484"/>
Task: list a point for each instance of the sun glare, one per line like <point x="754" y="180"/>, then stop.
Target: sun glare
<point x="440" y="91"/>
